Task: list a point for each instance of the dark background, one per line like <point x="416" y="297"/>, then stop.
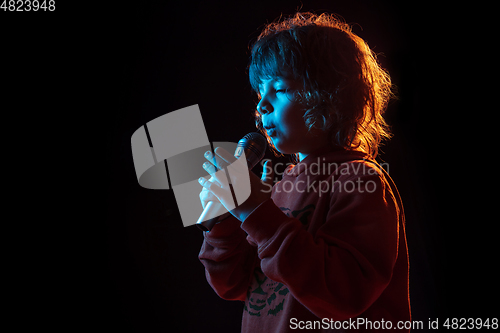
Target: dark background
<point x="160" y="56"/>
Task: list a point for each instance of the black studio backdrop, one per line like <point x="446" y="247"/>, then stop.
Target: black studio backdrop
<point x="161" y="56"/>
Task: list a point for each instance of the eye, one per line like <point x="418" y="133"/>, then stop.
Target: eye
<point x="281" y="90"/>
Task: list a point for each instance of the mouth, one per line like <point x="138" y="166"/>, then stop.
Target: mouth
<point x="271" y="131"/>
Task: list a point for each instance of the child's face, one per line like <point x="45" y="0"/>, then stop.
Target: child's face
<point x="282" y="118"/>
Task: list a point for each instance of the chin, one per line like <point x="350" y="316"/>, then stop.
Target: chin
<point x="283" y="148"/>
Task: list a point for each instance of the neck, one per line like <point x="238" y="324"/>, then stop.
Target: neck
<point x="319" y="151"/>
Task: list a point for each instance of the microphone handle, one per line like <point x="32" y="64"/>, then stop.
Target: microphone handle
<point x="211" y="214"/>
<point x="214" y="208"/>
<point x="253" y="154"/>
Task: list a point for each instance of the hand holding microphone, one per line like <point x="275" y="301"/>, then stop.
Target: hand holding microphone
<point x="230" y="176"/>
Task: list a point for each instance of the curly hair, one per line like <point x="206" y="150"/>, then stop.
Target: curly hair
<point x="345" y="91"/>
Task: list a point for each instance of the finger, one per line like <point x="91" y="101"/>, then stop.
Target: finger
<point x="212" y="187"/>
<point x="210" y="168"/>
<point x="225" y="155"/>
<point x="218" y="176"/>
<point x="216" y="160"/>
<point x="237" y="166"/>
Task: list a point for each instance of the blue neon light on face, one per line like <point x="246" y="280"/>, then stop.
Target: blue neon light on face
<point x="282" y="117"/>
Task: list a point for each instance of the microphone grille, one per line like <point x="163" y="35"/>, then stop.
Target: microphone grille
<point x="254" y="142"/>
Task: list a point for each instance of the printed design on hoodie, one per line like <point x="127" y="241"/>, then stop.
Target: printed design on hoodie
<point x="302" y="214"/>
<point x="266" y="297"/>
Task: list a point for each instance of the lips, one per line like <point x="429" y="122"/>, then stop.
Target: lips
<point x="270" y="130"/>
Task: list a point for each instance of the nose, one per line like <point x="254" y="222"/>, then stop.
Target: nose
<point x="264" y="106"/>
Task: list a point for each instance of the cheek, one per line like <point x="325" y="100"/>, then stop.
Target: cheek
<point x="294" y="121"/>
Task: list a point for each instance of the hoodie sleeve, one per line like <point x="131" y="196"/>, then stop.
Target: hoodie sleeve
<point x="343" y="268"/>
<point x="229" y="259"/>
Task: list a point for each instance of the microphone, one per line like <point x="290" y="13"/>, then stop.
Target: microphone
<point x="254" y="145"/>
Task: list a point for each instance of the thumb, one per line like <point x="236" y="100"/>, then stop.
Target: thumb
<point x="268" y="173"/>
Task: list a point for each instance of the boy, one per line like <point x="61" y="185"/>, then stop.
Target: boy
<point x="326" y="249"/>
